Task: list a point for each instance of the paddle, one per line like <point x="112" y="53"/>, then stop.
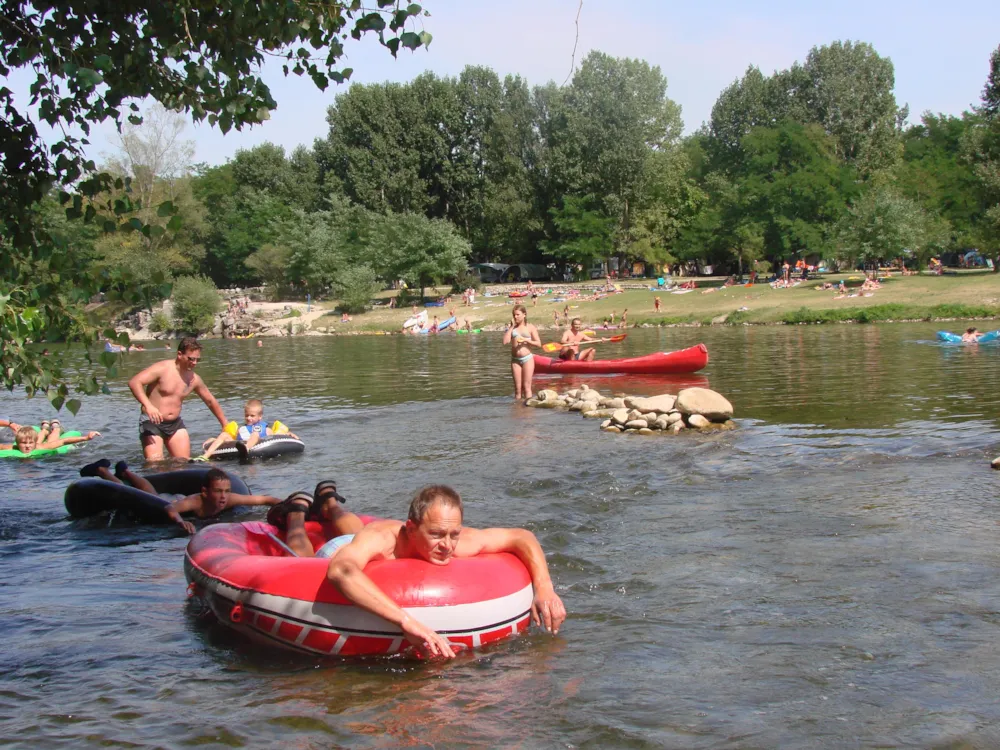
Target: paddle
<point x="554" y="347"/>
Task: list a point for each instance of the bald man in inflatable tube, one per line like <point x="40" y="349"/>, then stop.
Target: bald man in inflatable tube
<point x="433" y="532"/>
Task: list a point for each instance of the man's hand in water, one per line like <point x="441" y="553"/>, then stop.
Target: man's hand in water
<point x="420" y="635"/>
<point x="547" y="610"/>
<point x="187" y="526"/>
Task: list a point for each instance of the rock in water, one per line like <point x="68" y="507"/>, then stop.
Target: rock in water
<point x="660" y="404"/>
<point x="714" y="406"/>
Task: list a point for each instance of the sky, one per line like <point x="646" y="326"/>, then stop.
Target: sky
<point x="940" y="52"/>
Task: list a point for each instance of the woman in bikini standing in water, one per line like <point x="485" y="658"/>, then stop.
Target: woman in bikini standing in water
<point x="521" y="335"/>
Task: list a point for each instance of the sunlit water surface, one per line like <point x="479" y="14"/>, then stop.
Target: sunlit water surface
<point x="826" y="575"/>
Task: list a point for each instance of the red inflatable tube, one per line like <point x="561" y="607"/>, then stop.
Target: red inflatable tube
<point x="257" y="588"/>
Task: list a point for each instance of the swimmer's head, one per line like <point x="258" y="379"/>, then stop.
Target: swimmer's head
<point x="253" y="411"/>
<point x="434" y="523"/>
<point x="188" y="352"/>
<point x="215" y="489"/>
<point x="26" y="439"/>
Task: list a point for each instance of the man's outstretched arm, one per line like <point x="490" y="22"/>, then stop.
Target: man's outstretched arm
<point x="347" y="573"/>
<point x="547" y="608"/>
<point x="210" y="401"/>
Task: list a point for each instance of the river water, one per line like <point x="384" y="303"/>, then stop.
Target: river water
<point x="827" y="575"/>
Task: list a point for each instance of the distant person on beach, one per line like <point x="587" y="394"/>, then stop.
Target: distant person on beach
<point x="434" y="532"/>
<point x="160" y="389"/>
<point x="216" y="492"/>
<point x="656" y="304"/>
<point x="971" y="336"/>
<point x="533" y="292"/>
<point x="521" y="336"/>
<point x="571" y="341"/>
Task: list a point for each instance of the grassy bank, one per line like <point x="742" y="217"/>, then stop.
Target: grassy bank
<point x="972" y="295"/>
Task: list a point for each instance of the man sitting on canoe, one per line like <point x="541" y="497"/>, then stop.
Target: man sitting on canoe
<point x="571" y="341"/>
<point x="433" y="532"/>
<point x="216" y="492"/>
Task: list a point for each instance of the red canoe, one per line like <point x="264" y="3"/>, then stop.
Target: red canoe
<point x="691" y="359"/>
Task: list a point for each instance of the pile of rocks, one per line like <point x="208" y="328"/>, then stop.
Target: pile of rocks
<point x="692" y="408"/>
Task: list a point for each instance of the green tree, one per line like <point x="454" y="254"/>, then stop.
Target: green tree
<point x="270" y="264"/>
<point x="671" y="201"/>
<point x="585" y="232"/>
<point x="355" y="286"/>
<point x="93" y="63"/>
<point x="606" y="127"/>
<point x="880" y="226"/>
<point x="196" y="301"/>
<point x="419" y="250"/>
<point x="155" y="160"/>
<point x="991" y="91"/>
<point x="372" y="151"/>
<point x="794" y="186"/>
<point x="845" y="87"/>
<point x="247" y="200"/>
<point x="850" y="94"/>
<point x="741" y="107"/>
<point x="933" y="172"/>
<point x="981" y="149"/>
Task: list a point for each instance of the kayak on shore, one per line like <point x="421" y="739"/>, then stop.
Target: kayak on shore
<point x="691" y="359"/>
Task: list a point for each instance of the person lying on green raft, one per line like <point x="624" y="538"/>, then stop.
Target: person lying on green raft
<point x="26" y="440"/>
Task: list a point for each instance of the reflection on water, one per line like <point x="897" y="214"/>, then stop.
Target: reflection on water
<point x="827" y="575"/>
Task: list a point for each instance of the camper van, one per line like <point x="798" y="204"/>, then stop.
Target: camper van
<point x="489" y="273"/>
<point x="527" y="272"/>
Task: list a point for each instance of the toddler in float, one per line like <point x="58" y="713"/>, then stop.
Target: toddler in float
<point x="249" y="434"/>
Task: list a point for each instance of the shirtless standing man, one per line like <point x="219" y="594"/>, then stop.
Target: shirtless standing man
<point x="433" y="532"/>
<point x="160" y="389"/>
<point x="571" y="341"/>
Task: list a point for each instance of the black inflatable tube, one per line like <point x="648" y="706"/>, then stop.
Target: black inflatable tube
<point x="91" y="496"/>
<point x="271" y="446"/>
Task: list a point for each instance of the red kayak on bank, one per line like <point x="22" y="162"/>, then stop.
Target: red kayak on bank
<point x="691" y="359"/>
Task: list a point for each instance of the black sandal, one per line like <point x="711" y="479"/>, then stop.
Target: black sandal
<point x="326" y="488"/>
<point x="297" y="502"/>
<point x="323" y="492"/>
<point x="91" y="470"/>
